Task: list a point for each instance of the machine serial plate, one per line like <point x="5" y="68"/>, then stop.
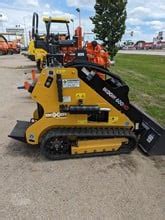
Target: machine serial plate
<point x="70" y="83"/>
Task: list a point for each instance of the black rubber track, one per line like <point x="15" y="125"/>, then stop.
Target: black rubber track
<point x="89" y="134"/>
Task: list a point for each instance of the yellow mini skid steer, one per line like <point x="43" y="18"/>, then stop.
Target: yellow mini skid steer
<point x="80" y="114"/>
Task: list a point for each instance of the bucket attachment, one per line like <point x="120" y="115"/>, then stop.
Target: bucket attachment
<point x="151" y="135"/>
<point x="19" y="131"/>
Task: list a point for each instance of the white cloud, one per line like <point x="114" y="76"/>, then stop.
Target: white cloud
<point x="138" y="34"/>
<point x="21" y="14"/>
<point x="61" y="14"/>
<point x="3" y="17"/>
<point x="148" y="16"/>
<point x="32" y="2"/>
<point x="144" y="17"/>
<point x="140" y="10"/>
<point x="26" y="3"/>
<point x="156" y="25"/>
<point x="47" y="6"/>
<point x="81" y="3"/>
<point x="146" y="9"/>
<point x="134" y="21"/>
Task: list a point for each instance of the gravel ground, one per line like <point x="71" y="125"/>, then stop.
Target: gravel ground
<point x="116" y="187"/>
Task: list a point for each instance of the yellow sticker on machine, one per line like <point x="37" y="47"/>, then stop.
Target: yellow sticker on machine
<point x="80" y="95"/>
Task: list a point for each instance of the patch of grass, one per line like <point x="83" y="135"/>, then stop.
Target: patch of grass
<point x="145" y="76"/>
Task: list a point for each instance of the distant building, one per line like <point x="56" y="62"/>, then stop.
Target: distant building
<point x="140" y="45"/>
<point x="159" y="40"/>
<point x="159" y="45"/>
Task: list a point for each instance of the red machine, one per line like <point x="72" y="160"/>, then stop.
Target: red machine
<point x="8" y="47"/>
<point x="69" y="52"/>
<point x="4" y="48"/>
<point x="97" y="54"/>
<point x="14" y="47"/>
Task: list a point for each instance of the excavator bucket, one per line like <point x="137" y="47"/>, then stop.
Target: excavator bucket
<point x="151" y="134"/>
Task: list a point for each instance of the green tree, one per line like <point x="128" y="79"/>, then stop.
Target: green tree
<point x="109" y="21"/>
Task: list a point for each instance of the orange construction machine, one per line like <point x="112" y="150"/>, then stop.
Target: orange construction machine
<point x="4" y="47"/>
<point x="8" y="47"/>
<point x="14" y="46"/>
<point x="97" y="54"/>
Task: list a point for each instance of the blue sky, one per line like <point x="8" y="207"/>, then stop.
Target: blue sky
<point x="145" y="18"/>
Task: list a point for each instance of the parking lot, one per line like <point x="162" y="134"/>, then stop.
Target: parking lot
<point x="117" y="187"/>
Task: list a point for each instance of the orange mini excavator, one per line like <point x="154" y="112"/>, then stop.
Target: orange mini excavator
<point x="97" y="54"/>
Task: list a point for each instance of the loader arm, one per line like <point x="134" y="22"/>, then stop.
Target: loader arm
<point x="151" y="135"/>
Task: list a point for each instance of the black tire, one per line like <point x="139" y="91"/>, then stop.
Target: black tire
<point x="10" y="52"/>
<point x="31" y="57"/>
<point x="39" y="65"/>
<point x="54" y="148"/>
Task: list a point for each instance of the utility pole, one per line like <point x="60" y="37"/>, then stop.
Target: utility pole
<point x="72" y="20"/>
<point x="25" y="30"/>
<point x="78" y="10"/>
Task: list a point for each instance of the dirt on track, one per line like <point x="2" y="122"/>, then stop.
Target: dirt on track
<point x="115" y="187"/>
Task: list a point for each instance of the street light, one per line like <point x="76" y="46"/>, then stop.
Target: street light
<point x="25" y="28"/>
<point x="78" y="10"/>
<point x="72" y="20"/>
